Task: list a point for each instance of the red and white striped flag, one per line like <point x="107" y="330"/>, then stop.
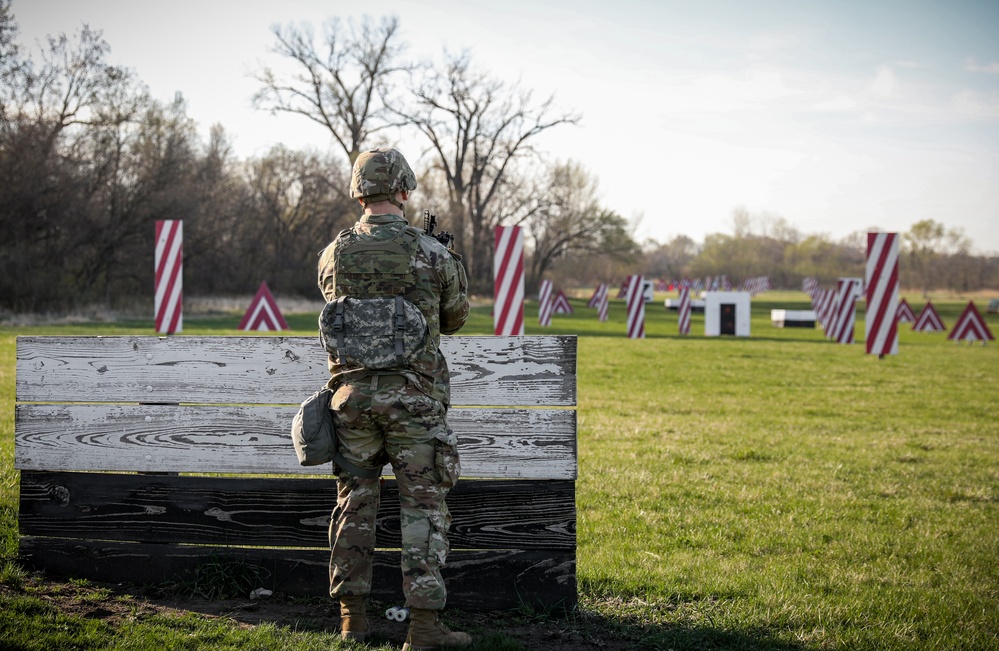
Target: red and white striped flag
<point x="169" y="302"/>
<point x="508" y="281"/>
<point x="545" y="304"/>
<point x="881" y="281"/>
<point x="683" y="311"/>
<point x="636" y="307"/>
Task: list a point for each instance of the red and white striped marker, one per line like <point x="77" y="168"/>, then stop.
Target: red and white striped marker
<point x="844" y="313"/>
<point x="561" y="304"/>
<point x="601" y="299"/>
<point x="810" y="285"/>
<point x="169" y="302"/>
<point x="904" y="314"/>
<point x="595" y="299"/>
<point x="971" y="326"/>
<point x="823" y="305"/>
<point x="881" y="281"/>
<point x="683" y="311"/>
<point x="545" y="304"/>
<point x="263" y="313"/>
<point x="508" y="281"/>
<point x="636" y="307"/>
<point x="623" y="292"/>
<point x="929" y="320"/>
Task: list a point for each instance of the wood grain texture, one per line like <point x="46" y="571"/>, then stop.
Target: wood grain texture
<point x="487" y="371"/>
<point x="498" y="443"/>
<point x="476" y="581"/>
<point x="225" y="405"/>
<point x="487" y="514"/>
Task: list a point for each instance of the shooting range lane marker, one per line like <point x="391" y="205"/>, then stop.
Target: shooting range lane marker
<point x="904" y="313"/>
<point x="636" y="307"/>
<point x="263" y="313"/>
<point x="169" y="261"/>
<point x="683" y="311"/>
<point x="508" y="275"/>
<point x="844" y="313"/>
<point x="545" y="304"/>
<point x="929" y="320"/>
<point x="971" y="327"/>
<point x="881" y="281"/>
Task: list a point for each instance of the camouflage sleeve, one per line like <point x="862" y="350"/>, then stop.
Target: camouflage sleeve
<point x="326" y="272"/>
<point x="454" y="295"/>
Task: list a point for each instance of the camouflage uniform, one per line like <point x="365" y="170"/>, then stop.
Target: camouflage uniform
<point x="395" y="416"/>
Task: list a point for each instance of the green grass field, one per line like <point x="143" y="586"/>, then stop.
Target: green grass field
<point x="773" y="492"/>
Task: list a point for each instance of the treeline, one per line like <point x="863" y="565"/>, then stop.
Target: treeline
<point x="89" y="160"/>
<point x="931" y="257"/>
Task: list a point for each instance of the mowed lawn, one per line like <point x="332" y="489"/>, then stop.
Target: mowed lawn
<point x="772" y="492"/>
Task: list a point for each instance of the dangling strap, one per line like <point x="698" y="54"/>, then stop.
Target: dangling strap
<point x="338" y="322"/>
<point x="400" y="330"/>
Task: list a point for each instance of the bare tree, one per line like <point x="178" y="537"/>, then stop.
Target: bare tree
<point x="478" y="128"/>
<point x="340" y="83"/>
<point x="571" y="221"/>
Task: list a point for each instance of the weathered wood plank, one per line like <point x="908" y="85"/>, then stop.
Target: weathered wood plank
<point x="476" y="581"/>
<point x="493" y="371"/>
<point x="487" y="514"/>
<point x="500" y="443"/>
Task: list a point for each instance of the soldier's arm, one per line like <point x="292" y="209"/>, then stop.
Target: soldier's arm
<point x="454" y="296"/>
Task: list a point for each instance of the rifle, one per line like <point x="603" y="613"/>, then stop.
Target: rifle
<point x="430" y="223"/>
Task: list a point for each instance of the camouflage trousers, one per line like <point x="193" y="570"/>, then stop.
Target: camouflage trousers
<point x="389" y="421"/>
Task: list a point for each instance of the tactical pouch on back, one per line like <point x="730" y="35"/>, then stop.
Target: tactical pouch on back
<point x="373" y="333"/>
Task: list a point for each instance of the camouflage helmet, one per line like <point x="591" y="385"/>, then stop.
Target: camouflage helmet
<point x="380" y="173"/>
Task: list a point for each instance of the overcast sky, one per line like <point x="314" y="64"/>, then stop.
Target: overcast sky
<point x="838" y="115"/>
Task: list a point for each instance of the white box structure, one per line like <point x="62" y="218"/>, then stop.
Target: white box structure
<point x="726" y="313"/>
<point x="793" y="318"/>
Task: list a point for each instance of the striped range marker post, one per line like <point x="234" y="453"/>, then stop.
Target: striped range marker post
<point x="169" y="260"/>
<point x="636" y="307"/>
<point x="880" y="326"/>
<point x="595" y="299"/>
<point x="844" y="313"/>
<point x="545" y="303"/>
<point x="508" y="281"/>
<point x="602" y="297"/>
<point x="683" y="311"/>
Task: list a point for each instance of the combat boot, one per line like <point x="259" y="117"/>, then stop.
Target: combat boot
<point x="353" y="619"/>
<point x="426" y="632"/>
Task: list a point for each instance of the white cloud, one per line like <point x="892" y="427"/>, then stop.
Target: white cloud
<point x="837" y="104"/>
<point x="987" y="68"/>
<point x="884" y="83"/>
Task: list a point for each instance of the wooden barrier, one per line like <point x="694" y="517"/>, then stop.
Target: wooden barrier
<point x="142" y="458"/>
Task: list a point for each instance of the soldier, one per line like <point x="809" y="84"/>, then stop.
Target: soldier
<point x="393" y="412"/>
